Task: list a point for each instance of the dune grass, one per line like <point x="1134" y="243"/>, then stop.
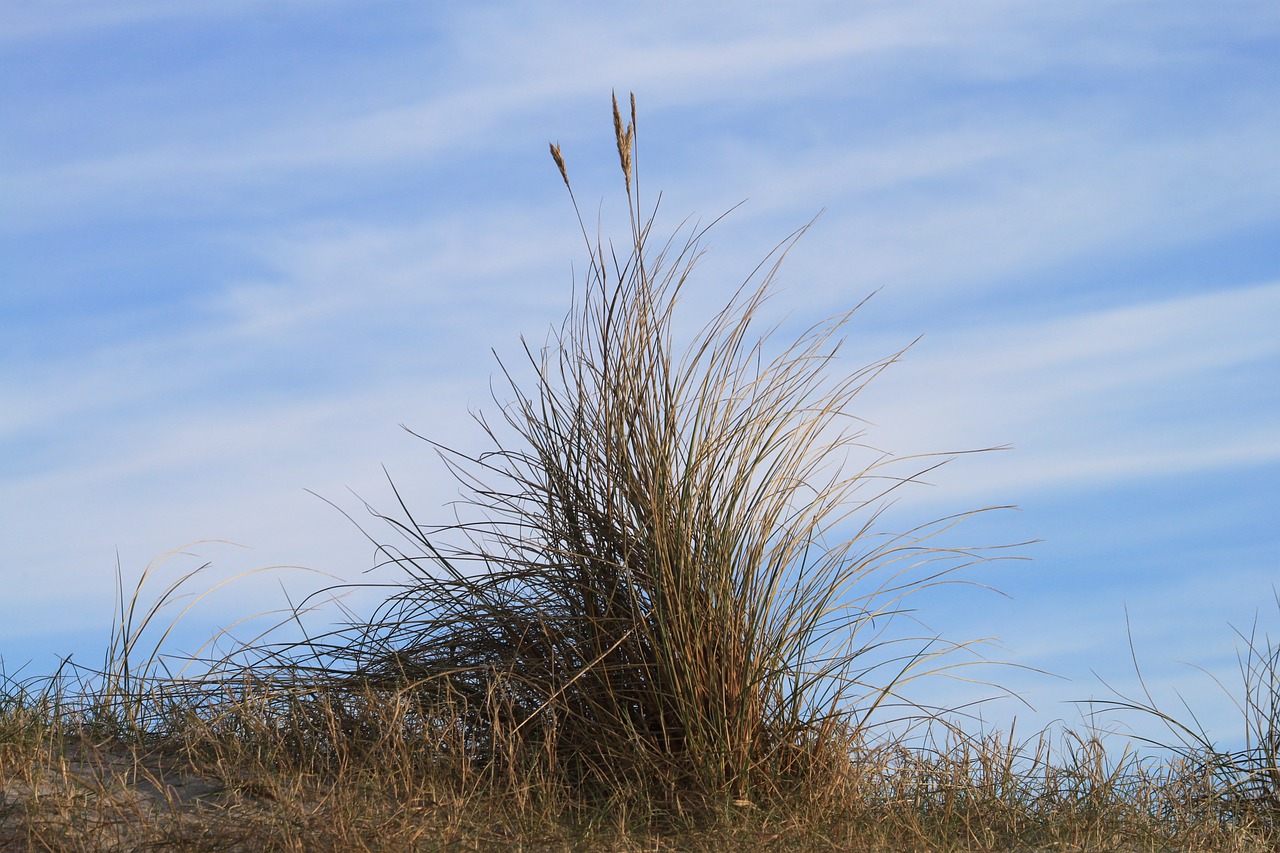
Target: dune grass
<point x="664" y="620"/>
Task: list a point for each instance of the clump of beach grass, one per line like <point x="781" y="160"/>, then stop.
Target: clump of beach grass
<point x="674" y="581"/>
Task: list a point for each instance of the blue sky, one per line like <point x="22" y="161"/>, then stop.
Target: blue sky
<point x="241" y="242"/>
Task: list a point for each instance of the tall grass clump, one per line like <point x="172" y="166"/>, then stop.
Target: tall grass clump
<point x="672" y="582"/>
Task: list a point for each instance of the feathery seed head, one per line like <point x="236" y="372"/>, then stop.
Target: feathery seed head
<point x="624" y="136"/>
<point x="555" y="155"/>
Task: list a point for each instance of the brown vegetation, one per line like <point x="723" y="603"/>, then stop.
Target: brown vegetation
<point x="663" y="627"/>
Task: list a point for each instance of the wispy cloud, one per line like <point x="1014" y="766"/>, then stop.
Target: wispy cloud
<point x="1093" y="398"/>
<point x="553" y="58"/>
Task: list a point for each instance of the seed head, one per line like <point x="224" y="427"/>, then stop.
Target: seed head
<point x="624" y="138"/>
<point x="555" y="155"/>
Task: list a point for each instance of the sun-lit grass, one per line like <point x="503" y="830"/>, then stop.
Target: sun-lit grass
<point x="664" y="619"/>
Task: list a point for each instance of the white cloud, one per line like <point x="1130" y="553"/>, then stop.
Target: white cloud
<point x="510" y="76"/>
<point x="1085" y="399"/>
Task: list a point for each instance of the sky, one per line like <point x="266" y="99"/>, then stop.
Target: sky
<point x="242" y="243"/>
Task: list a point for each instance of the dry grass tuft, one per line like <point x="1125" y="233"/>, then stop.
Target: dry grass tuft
<point x="673" y="584"/>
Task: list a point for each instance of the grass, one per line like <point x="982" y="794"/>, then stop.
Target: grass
<point x="667" y="619"/>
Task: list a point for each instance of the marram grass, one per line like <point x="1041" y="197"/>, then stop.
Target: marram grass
<point x="661" y="588"/>
<point x="661" y="625"/>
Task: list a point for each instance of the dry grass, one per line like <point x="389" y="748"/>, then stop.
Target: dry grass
<point x="666" y="622"/>
<point x="364" y="770"/>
